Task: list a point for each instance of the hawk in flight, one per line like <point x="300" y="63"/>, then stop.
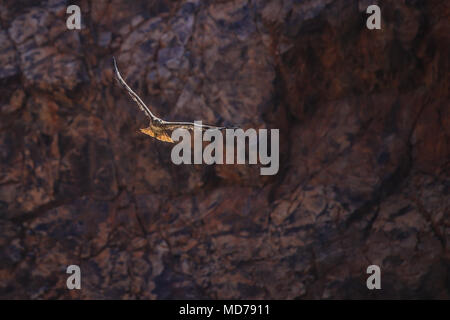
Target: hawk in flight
<point x="158" y="128"/>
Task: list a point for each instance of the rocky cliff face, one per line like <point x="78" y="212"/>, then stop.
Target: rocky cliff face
<point x="364" y="123"/>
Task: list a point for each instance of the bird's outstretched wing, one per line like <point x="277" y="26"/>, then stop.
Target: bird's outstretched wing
<point x="170" y="125"/>
<point x="132" y="94"/>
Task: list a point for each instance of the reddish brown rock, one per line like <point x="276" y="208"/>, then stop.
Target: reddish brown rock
<point x="364" y="150"/>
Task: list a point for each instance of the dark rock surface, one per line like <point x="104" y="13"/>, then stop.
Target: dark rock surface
<point x="364" y="122"/>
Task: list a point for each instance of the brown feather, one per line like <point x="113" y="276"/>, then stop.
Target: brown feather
<point x="163" y="136"/>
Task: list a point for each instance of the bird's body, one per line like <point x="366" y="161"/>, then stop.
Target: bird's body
<point x="158" y="128"/>
<point x="158" y="131"/>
